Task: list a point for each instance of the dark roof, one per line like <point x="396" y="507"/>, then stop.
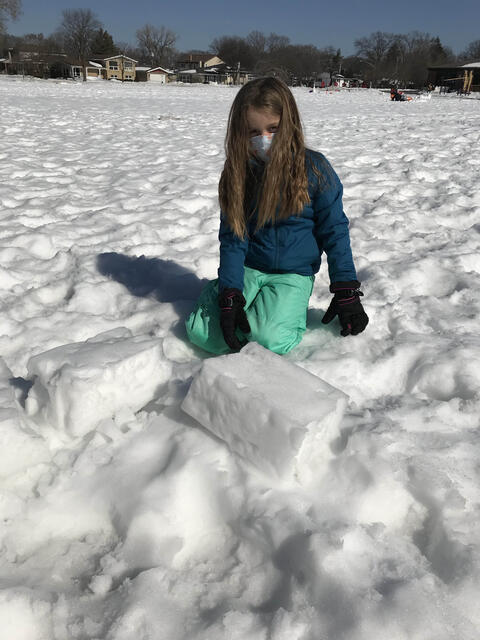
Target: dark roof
<point x="196" y="57"/>
<point x="471" y="65"/>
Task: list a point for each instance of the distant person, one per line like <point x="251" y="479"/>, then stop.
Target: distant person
<point x="281" y="208"/>
<point x="396" y="95"/>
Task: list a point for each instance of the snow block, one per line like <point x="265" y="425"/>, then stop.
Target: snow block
<point x="78" y="385"/>
<point x="20" y="446"/>
<point x="271" y="412"/>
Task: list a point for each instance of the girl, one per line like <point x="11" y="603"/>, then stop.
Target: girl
<point x="281" y="207"/>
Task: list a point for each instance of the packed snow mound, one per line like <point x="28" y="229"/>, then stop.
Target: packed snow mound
<point x="78" y="385"/>
<point x="268" y="410"/>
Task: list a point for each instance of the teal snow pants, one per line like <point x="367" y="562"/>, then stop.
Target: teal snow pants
<point x="276" y="308"/>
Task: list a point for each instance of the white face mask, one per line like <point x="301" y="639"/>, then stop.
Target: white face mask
<point x="261" y="146"/>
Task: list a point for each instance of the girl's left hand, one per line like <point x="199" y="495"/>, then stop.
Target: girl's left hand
<point x="346" y="304"/>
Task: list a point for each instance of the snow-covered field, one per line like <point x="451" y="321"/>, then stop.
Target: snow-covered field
<point x="120" y="517"/>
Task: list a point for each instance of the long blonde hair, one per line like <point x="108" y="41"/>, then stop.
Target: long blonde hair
<point x="284" y="189"/>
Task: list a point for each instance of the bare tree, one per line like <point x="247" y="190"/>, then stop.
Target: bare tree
<point x="373" y="49"/>
<point x="422" y="51"/>
<point x="156" y="44"/>
<point x="8" y="8"/>
<point x="233" y="50"/>
<point x="266" y="67"/>
<point x="472" y="52"/>
<point x="128" y="50"/>
<point x="78" y="29"/>
<point x="394" y="60"/>
<point x="257" y="41"/>
<point x="276" y="42"/>
<point x="353" y="67"/>
<point x="401" y="58"/>
<point x="300" y="63"/>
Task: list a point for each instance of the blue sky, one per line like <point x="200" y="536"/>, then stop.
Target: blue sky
<point x="304" y="21"/>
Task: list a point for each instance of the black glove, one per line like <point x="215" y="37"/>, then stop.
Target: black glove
<point x="346" y="304"/>
<point x="232" y="315"/>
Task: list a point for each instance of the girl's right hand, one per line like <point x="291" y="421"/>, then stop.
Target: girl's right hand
<point x="232" y="315"/>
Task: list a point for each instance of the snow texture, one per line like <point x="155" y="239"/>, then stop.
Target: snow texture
<point x="266" y="409"/>
<point x="21" y="448"/>
<point x="121" y="518"/>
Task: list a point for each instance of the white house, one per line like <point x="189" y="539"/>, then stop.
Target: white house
<point x="158" y="74"/>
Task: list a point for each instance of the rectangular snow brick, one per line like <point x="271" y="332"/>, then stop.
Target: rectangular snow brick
<point x="78" y="385"/>
<point x="269" y="411"/>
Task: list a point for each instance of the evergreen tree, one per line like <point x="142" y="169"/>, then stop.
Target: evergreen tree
<point x="437" y="52"/>
<point x="102" y="44"/>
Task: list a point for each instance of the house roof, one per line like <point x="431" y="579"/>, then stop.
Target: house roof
<point x="120" y="56"/>
<point x="470" y="65"/>
<point x="160" y="69"/>
<point x="196" y="57"/>
<point x="198" y="72"/>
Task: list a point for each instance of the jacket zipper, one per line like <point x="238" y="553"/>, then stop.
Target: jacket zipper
<point x="276" y="249"/>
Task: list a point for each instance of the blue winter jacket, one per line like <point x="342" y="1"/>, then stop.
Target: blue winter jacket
<point x="295" y="244"/>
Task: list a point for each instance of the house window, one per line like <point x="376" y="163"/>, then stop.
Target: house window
<point x="127" y="65"/>
<point x="128" y="76"/>
<point x="113" y="64"/>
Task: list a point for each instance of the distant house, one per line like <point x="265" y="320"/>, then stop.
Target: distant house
<point x="94" y="68"/>
<point x="220" y="74"/>
<point x="452" y="77"/>
<point x="95" y="71"/>
<point x="194" y="76"/>
<point x="141" y="73"/>
<point x="158" y="74"/>
<point x="153" y="74"/>
<point x="120" y="68"/>
<point x="198" y="61"/>
<point x="34" y="63"/>
<point x="237" y="76"/>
